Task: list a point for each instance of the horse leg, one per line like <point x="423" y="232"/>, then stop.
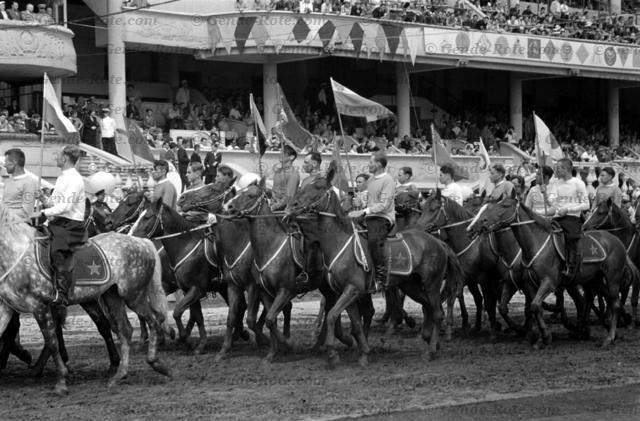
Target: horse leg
<point x="463" y="313"/>
<point x="117" y="314"/>
<point x="348" y="296"/>
<point x="47" y="326"/>
<point x="366" y="311"/>
<point x="392" y="297"/>
<point x="286" y="324"/>
<point x="613" y="303"/>
<point x="196" y="313"/>
<point x="192" y="296"/>
<point x="358" y="332"/>
<point x="546" y="287"/>
<point x="233" y="297"/>
<point x="11" y="343"/>
<point x="490" y="305"/>
<point x="253" y="304"/>
<point x="320" y="317"/>
<point x="477" y="299"/>
<point x="409" y="321"/>
<point x="144" y="333"/>
<point x="238" y="329"/>
<point x="283" y="297"/>
<point x="508" y="290"/>
<point x="59" y="314"/>
<point x="104" y="327"/>
<point x="635" y="293"/>
<point x="267" y="302"/>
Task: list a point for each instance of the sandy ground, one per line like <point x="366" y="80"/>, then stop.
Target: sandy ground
<point x="468" y="371"/>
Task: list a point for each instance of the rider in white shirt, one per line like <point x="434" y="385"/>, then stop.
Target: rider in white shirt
<point x="451" y="189"/>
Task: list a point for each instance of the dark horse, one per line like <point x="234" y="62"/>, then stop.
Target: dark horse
<point x="609" y="217"/>
<point x="191" y="258"/>
<point x="605" y="269"/>
<point x="235" y="256"/>
<point x="432" y="272"/>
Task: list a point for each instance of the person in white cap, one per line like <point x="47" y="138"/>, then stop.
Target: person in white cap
<point x="108" y="132"/>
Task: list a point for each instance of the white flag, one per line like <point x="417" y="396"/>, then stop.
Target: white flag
<point x="53" y="113"/>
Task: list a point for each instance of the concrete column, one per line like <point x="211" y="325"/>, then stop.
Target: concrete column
<point x="270" y="94"/>
<point x="117" y="64"/>
<point x="57" y="87"/>
<point x="515" y="104"/>
<point x="403" y="100"/>
<point x="615" y="6"/>
<point x="613" y="112"/>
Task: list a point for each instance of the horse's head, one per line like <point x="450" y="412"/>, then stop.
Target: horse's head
<point x="209" y="198"/>
<point x="406" y="201"/>
<point x="495" y="215"/>
<point x="150" y="222"/>
<point x="127" y="210"/>
<point x="473" y="204"/>
<point x="313" y="197"/>
<point x="248" y="201"/>
<point x="434" y="214"/>
<point x="606" y="215"/>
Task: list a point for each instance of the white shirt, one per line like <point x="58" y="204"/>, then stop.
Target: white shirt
<point x="454" y="192"/>
<point x="570" y="195"/>
<point x="108" y="127"/>
<point x="5" y="15"/>
<point x="68" y="196"/>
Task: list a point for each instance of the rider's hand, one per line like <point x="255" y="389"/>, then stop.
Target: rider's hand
<point x="356" y="214"/>
<point x="562" y="212"/>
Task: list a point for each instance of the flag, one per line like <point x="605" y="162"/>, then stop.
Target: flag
<point x="137" y="142"/>
<point x="294" y="134"/>
<point x="261" y="134"/>
<point x="52" y="113"/>
<point x="352" y="104"/>
<point x="339" y="179"/>
<point x="483" y="180"/>
<point x="441" y="156"/>
<point x="547" y="147"/>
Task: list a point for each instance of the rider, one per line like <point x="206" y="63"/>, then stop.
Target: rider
<point x="101" y="210"/>
<point x="537" y="199"/>
<point x="404" y="180"/>
<point x="379" y="214"/>
<point x="607" y="188"/>
<point x="164" y="188"/>
<point x="285" y="181"/>
<point x="194" y="176"/>
<point x="312" y="274"/>
<point x="20" y="189"/>
<point x="452" y="190"/>
<point x="568" y="195"/>
<point x="65" y="210"/>
<point x="501" y="185"/>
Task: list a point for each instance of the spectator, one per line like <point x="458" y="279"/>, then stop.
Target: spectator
<point x="108" y="132"/>
<point x="195" y="156"/>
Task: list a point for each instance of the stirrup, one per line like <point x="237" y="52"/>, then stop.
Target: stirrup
<point x="299" y="279"/>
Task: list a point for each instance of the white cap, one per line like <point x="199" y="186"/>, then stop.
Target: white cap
<point x="247" y="179"/>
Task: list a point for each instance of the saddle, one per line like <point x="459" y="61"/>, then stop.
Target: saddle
<point x="590" y="248"/>
<point x="91" y="267"/>
<point x="399" y="258"/>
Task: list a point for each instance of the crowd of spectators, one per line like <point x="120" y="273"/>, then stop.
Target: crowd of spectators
<point x="558" y="20"/>
<point x="44" y="14"/>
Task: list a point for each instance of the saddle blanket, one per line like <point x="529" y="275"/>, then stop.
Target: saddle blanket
<point x="592" y="250"/>
<point x="90" y="269"/>
<point x="399" y="258"/>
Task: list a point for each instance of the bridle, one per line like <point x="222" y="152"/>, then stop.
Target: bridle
<point x="315" y="205"/>
<point x="131" y="217"/>
<point x="608" y="218"/>
<point x="156" y="223"/>
<point x="203" y="205"/>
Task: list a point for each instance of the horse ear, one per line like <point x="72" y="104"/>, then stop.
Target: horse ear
<point x="609" y="202"/>
<point x="331" y="171"/>
<point x="484" y="194"/>
<point x="513" y="194"/>
<point x="231" y="182"/>
<point x="263" y="183"/>
<point x="159" y="203"/>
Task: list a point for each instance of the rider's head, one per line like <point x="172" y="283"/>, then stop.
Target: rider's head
<point x="361" y="182"/>
<point x="160" y="169"/>
<point x="497" y="173"/>
<point x="405" y="174"/>
<point x="606" y="175"/>
<point x="377" y="162"/>
<point x="224" y="175"/>
<point x="564" y="169"/>
<point x="194" y="172"/>
<point x="290" y="154"/>
<point x="14" y="160"/>
<point x="312" y="162"/>
<point x="446" y="174"/>
<point x="68" y="157"/>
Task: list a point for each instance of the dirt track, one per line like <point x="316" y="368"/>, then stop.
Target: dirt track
<point x="298" y="386"/>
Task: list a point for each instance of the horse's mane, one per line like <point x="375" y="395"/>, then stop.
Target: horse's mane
<point x="178" y="222"/>
<point x="543" y="222"/>
<point x="456" y="211"/>
<point x="618" y="212"/>
<point x="334" y="206"/>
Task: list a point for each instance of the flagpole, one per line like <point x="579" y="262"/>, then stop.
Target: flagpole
<point x="544" y="192"/>
<point x="351" y="181"/>
<point x="44" y="108"/>
<point x="434" y="155"/>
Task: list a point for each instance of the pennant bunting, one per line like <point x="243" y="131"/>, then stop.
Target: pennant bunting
<point x="243" y="29"/>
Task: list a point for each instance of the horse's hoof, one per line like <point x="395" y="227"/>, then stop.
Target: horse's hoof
<point x="547" y="339"/>
<point x="199" y="350"/>
<point x="244" y="335"/>
<point x="363" y="361"/>
<point x="334" y="360"/>
<point x="219" y="357"/>
<point x="268" y="360"/>
<point x="448" y="335"/>
<point x="431" y="355"/>
<point x="61" y="390"/>
<point x="112" y="382"/>
<point x="160" y="368"/>
<point x="113" y="369"/>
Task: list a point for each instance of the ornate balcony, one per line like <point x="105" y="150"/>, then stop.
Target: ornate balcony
<point x="28" y="49"/>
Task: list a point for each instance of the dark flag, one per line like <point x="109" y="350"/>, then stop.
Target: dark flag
<point x="261" y="134"/>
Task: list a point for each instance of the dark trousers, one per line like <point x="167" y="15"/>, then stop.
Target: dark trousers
<point x="109" y="145"/>
<point x="66" y="237"/>
<point x="378" y="228"/>
<point x="572" y="229"/>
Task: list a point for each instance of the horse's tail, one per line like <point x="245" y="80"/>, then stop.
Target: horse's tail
<point x="631" y="274"/>
<point x="155" y="293"/>
<point x="455" y="277"/>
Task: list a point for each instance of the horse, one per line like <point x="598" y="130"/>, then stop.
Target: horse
<point x="127" y="273"/>
<point x="606" y="267"/>
<point x="478" y="256"/>
<point x="430" y="271"/>
<point x="191" y="258"/>
<point x="234" y="255"/>
<point x="276" y="270"/>
<point x="607" y="216"/>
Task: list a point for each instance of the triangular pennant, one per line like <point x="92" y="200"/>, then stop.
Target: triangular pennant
<point x="243" y="29"/>
<point x="227" y="31"/>
<point x="356" y="34"/>
<point x="405" y="43"/>
<point x="624" y="54"/>
<point x="278" y="34"/>
<point x="381" y="41"/>
<point x="259" y="34"/>
<point x="214" y="35"/>
<point x="392" y="33"/>
<point x="326" y="33"/>
<point x="343" y="32"/>
<point x="415" y="38"/>
<point x="314" y="26"/>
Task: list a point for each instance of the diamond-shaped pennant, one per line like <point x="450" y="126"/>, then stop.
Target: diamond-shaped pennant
<point x="483" y="45"/>
<point x="624" y="54"/>
<point x="259" y="34"/>
<point x="392" y="33"/>
<point x="636" y="57"/>
<point x="518" y="49"/>
<point x="243" y="29"/>
<point x="550" y="50"/>
<point x="356" y="35"/>
<point x="326" y="33"/>
<point x="582" y="53"/>
<point x="227" y="32"/>
<point x="300" y="30"/>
